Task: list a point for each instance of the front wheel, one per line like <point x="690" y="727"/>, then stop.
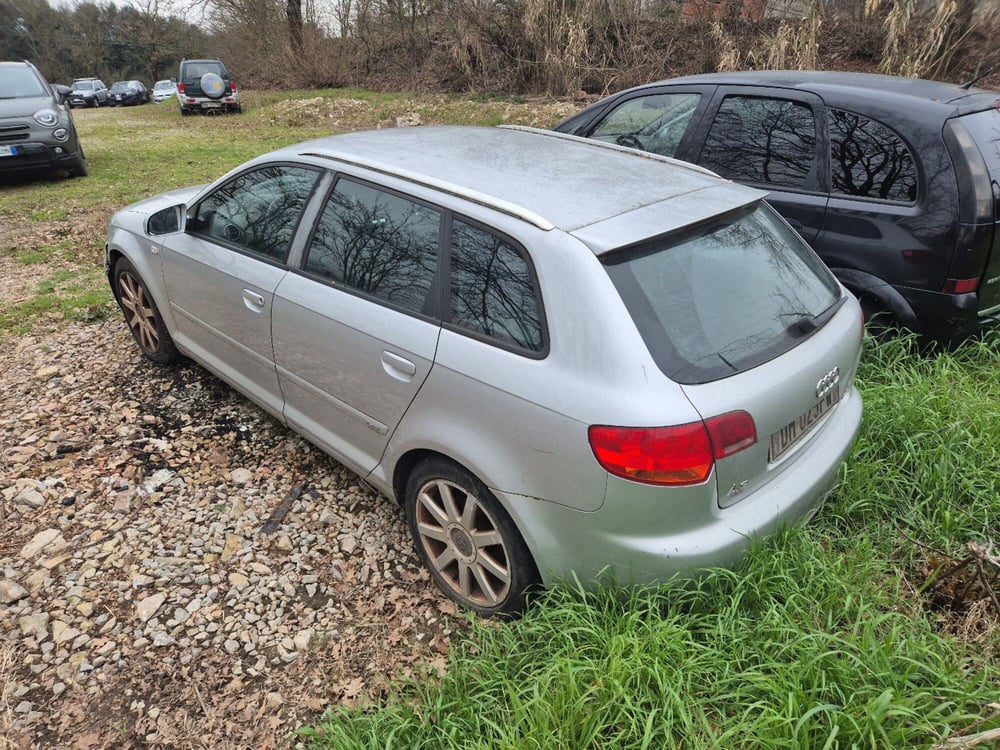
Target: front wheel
<point x="141" y="315"/>
<point x="467" y="540"/>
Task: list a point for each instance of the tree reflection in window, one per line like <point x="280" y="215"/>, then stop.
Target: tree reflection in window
<point x="377" y="243"/>
<point x="492" y="288"/>
<point x="258" y="211"/>
<point x="869" y="160"/>
<point x="762" y="140"/>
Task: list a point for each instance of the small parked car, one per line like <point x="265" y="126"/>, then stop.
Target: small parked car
<point x="163" y="90"/>
<point x="36" y="127"/>
<point x="88" y="92"/>
<point x="206" y="86"/>
<point x="123" y="93"/>
<point x="894" y="182"/>
<point x="560" y="357"/>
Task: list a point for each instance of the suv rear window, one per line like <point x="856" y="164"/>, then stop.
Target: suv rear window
<point x="723" y="297"/>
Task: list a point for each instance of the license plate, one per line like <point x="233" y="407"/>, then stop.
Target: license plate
<point x="783" y="440"/>
<point x="8" y="151"/>
<point x="211" y="105"/>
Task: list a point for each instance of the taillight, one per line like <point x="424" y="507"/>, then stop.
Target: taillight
<point x="679" y="455"/>
<point x="180" y="87"/>
<point x="960" y="286"/>
<point x="232" y="86"/>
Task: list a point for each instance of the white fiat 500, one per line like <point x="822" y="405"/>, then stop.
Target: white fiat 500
<point x="560" y="356"/>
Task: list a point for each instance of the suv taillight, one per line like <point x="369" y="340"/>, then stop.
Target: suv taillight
<point x="232" y="86"/>
<point x="180" y="88"/>
<point x="679" y="455"/>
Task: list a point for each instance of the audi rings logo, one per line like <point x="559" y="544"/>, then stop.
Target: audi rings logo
<point x="827" y="382"/>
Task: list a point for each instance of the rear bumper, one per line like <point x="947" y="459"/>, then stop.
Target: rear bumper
<point x="204" y="104"/>
<point x="33" y="157"/>
<point x="948" y="318"/>
<point x="643" y="536"/>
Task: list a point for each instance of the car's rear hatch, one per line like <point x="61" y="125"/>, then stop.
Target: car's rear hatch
<point x="974" y="140"/>
<point x="744" y="316"/>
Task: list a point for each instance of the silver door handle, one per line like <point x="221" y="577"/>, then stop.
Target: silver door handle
<point x="253" y="300"/>
<point x="398" y="367"/>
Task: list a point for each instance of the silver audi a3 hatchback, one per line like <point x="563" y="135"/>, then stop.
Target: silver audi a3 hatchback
<point x="561" y="357"/>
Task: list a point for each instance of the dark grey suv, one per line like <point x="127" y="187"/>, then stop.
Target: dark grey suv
<point x="894" y="182"/>
<point x="36" y="127"/>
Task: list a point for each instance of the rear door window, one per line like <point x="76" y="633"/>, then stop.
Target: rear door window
<point x="868" y="159"/>
<point x="650" y="123"/>
<point x="763" y="140"/>
<point x="720" y="299"/>
<point x="377" y="243"/>
<point x="985" y="129"/>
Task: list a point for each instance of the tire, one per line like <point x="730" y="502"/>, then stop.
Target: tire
<point x="97" y="103"/>
<point x="79" y="167"/>
<point x="213" y="85"/>
<point x="447" y="508"/>
<point x="880" y="323"/>
<point x="142" y="316"/>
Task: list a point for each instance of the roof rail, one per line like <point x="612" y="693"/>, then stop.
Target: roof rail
<point x="612" y="147"/>
<point x="482" y="199"/>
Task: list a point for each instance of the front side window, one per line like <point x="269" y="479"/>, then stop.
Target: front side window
<point x="650" y="123"/>
<point x="869" y="160"/>
<point x="723" y="298"/>
<point x="763" y="140"/>
<point x="493" y="291"/>
<point x="377" y="243"/>
<point x="258" y="211"/>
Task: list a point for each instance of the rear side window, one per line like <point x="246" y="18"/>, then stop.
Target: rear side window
<point x="650" y="123"/>
<point x="868" y="159"/>
<point x="757" y="139"/>
<point x="377" y="243"/>
<point x="985" y="129"/>
<point x="493" y="290"/>
<point x="725" y="297"/>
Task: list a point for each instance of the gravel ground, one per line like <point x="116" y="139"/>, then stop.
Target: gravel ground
<point x="177" y="569"/>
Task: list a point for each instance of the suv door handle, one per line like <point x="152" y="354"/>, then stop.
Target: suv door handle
<point x="398" y="367"/>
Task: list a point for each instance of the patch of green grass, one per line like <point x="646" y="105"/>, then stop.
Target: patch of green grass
<point x="67" y="293"/>
<point x="819" y="640"/>
<point x="796" y="649"/>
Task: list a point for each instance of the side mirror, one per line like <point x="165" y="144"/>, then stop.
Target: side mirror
<point x="166" y="221"/>
<point x="62" y="92"/>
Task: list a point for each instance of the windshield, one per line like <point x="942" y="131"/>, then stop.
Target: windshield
<point x="83" y="86"/>
<point x="160" y="85"/>
<point x="120" y="86"/>
<point x="18" y="83"/>
<point x="723" y="297"/>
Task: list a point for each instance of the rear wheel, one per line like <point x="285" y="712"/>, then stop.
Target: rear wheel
<point x="467" y="540"/>
<point x="880" y="321"/>
<point x="142" y="316"/>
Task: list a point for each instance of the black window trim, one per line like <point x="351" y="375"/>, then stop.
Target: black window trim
<point x="283" y="263"/>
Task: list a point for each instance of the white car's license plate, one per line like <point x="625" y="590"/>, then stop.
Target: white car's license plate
<point x="8" y="151"/>
<point x="783" y="440"/>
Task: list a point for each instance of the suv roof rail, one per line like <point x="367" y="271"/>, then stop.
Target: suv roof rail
<point x="483" y="199"/>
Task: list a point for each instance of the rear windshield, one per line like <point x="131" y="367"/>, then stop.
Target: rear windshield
<point x="724" y="297"/>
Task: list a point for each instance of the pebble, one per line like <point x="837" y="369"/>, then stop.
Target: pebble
<point x="139" y="547"/>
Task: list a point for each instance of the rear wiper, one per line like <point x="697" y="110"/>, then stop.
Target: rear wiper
<point x="806" y="324"/>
